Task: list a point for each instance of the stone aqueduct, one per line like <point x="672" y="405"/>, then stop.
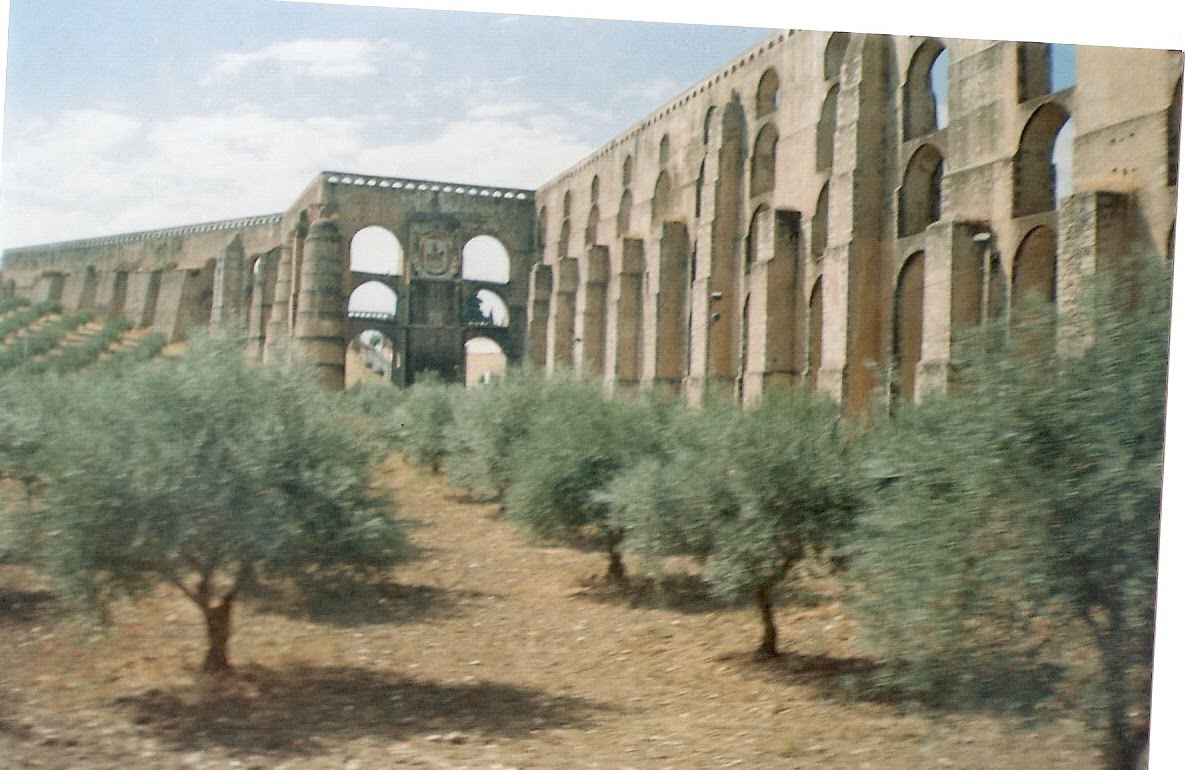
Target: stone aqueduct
<point x="818" y="209"/>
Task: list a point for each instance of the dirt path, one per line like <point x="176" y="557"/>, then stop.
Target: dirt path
<point x="488" y="653"/>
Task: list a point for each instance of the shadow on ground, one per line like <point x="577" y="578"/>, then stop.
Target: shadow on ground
<point x="347" y="602"/>
<point x="680" y="592"/>
<point x="22" y="606"/>
<point x="295" y="710"/>
<point x="1001" y="685"/>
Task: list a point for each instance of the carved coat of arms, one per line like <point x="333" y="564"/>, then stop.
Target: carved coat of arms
<point x="434" y="256"/>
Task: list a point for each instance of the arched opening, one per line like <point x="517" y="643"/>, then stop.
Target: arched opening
<point x="1173" y="137"/>
<point x="699" y="189"/>
<point x="660" y="204"/>
<point x="590" y="229"/>
<point x="764" y="164"/>
<point x="594" y="189"/>
<point x="484" y="307"/>
<point x="837" y="46"/>
<point x="1034" y="270"/>
<point x="819" y="225"/>
<point x="541" y="232"/>
<point x="921" y="191"/>
<point x="375" y="249"/>
<point x="370" y="357"/>
<point x="907" y="325"/>
<point x="815" y="333"/>
<point x="926" y="90"/>
<point x="752" y="236"/>
<point x="484" y="258"/>
<point x="484" y="361"/>
<point x="567" y="204"/>
<point x="624" y="210"/>
<point x="825" y="131"/>
<point x="768" y="94"/>
<point x="664" y="150"/>
<point x="372" y="300"/>
<point x="1035" y="178"/>
<point x="708" y="117"/>
<point x="627" y="171"/>
<point x="561" y="248"/>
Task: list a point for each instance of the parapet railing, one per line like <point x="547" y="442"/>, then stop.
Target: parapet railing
<point x="370" y="315"/>
<point x="423" y="185"/>
<point x="144" y="235"/>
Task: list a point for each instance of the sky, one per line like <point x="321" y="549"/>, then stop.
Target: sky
<point x="124" y="115"/>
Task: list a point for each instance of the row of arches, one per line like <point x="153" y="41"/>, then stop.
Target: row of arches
<point x="372" y="356"/>
<point x="480" y="307"/>
<point x="377" y="250"/>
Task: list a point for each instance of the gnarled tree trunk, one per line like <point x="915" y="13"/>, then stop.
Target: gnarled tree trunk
<point x="769" y="638"/>
<point x="218" y="636"/>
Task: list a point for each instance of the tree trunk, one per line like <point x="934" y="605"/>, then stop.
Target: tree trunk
<point x="616" y="572"/>
<point x="218" y="636"/>
<point x="769" y="639"/>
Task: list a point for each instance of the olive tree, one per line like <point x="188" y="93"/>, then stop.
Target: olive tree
<point x="1034" y="489"/>
<point x="201" y="473"/>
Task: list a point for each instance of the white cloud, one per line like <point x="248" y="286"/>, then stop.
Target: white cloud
<point x="340" y="58"/>
<point x="97" y="172"/>
<point x="652" y="92"/>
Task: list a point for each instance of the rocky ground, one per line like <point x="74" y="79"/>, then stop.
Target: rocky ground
<point x="486" y="652"/>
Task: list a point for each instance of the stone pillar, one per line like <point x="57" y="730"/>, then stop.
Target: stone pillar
<point x="775" y="304"/>
<point x="321" y="319"/>
<point x="78" y="291"/>
<point x="48" y="287"/>
<point x="143" y="288"/>
<point x="538" y="314"/>
<point x="299" y="233"/>
<point x="111" y="293"/>
<point x="561" y="327"/>
<point x="1093" y="233"/>
<point x="952" y="297"/>
<point x="278" y="326"/>
<point x="623" y="345"/>
<point x="589" y="347"/>
<point x="670" y="360"/>
<point x="263" y="287"/>
<point x="227" y="311"/>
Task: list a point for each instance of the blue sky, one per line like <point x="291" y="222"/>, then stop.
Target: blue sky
<point x="131" y="114"/>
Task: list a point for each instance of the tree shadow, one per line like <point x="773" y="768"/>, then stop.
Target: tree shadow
<point x="23" y="606"/>
<point x="682" y="592"/>
<point x="294" y="710"/>
<point x="348" y="601"/>
<point x="995" y="685"/>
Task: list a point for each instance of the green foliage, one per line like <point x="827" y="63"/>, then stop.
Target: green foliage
<point x="69" y="358"/>
<point x="577" y="442"/>
<point x="12" y="303"/>
<point x="1034" y="488"/>
<point x="24" y="316"/>
<point x="487" y="423"/>
<point x="42" y="339"/>
<point x="423" y="421"/>
<point x="146" y="348"/>
<point x="201" y="472"/>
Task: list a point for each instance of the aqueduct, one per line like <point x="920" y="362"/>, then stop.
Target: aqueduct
<point x="824" y="207"/>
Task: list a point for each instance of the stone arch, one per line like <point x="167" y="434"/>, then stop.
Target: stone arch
<point x="699" y="188"/>
<point x="921" y="191"/>
<point x="594" y="189"/>
<point x="664" y="150"/>
<point x="926" y="86"/>
<point x="541" y="227"/>
<point x="370" y="357"/>
<point x="908" y="320"/>
<point x="814" y="349"/>
<point x="825" y="131"/>
<point x="484" y="258"/>
<point x="590" y="229"/>
<point x="1173" y="138"/>
<point x="485" y="307"/>
<point x="763" y="170"/>
<point x="751" y="236"/>
<point x="768" y="93"/>
<point x="624" y="211"/>
<point x="661" y="202"/>
<point x="837" y="46"/>
<point x="373" y="299"/>
<point x="724" y="329"/>
<point x="1035" y="179"/>
<point x="819" y="222"/>
<point x="567" y="203"/>
<point x="375" y="249"/>
<point x="565" y="238"/>
<point x="1034" y="269"/>
<point x="709" y="116"/>
<point x="627" y="171"/>
<point x="484" y="361"/>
